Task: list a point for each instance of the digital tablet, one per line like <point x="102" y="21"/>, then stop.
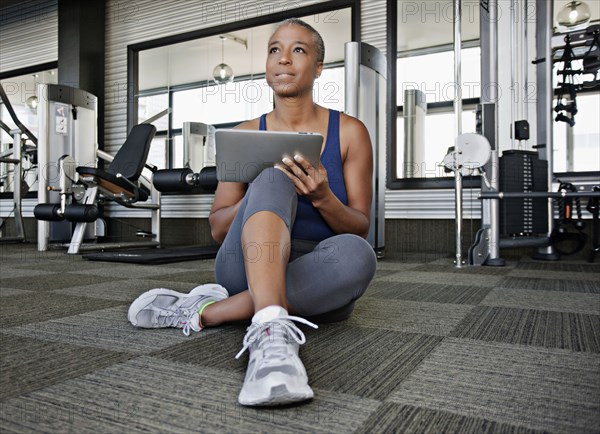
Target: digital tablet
<point x="242" y="154"/>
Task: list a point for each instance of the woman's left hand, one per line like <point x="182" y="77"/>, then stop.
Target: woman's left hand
<point x="309" y="181"/>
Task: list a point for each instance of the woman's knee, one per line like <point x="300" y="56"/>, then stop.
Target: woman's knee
<point x="352" y="261"/>
<point x="272" y="177"/>
<point x="272" y="191"/>
<point x="352" y="252"/>
<point x="363" y="260"/>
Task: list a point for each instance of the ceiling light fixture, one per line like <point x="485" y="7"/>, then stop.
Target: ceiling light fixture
<point x="573" y="14"/>
<point x="32" y="103"/>
<point x="223" y="73"/>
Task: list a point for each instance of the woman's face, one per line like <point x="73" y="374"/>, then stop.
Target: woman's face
<point x="292" y="61"/>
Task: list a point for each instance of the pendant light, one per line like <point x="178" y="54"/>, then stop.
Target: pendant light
<point x="573" y="14"/>
<point x="223" y="73"/>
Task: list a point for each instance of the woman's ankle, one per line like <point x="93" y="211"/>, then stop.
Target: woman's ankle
<point x="208" y="317"/>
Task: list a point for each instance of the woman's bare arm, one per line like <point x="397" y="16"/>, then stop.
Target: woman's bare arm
<point x="228" y="198"/>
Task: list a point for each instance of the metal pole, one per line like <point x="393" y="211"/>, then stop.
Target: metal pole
<point x="524" y="62"/>
<point x="17" y="184"/>
<point x="537" y="194"/>
<point x="513" y="71"/>
<point x="544" y="19"/>
<point x="490" y="210"/>
<point x="458" y="216"/>
<point x="43" y="161"/>
<point x="458" y="119"/>
<point x="457" y="68"/>
<point x="352" y="77"/>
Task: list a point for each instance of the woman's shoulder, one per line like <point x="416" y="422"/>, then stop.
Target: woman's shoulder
<point x="252" y="124"/>
<point x="350" y="122"/>
<point x="352" y="129"/>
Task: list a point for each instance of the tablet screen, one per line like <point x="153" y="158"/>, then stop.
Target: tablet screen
<point x="242" y="154"/>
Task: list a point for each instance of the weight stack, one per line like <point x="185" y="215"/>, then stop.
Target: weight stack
<point x="523" y="171"/>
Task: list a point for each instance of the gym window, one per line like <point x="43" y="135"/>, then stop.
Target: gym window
<point x="423" y="72"/>
<point x="187" y="89"/>
<point x="222" y="106"/>
<point x="423" y="40"/>
<point x="20" y="89"/>
<point x="576" y="149"/>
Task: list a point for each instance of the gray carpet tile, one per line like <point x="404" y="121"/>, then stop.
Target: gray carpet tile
<point x="22" y="254"/>
<point x="154" y="395"/>
<point x="413" y="254"/>
<point x="34" y="307"/>
<point x="30" y="364"/>
<point x="194" y="277"/>
<point x="446" y="278"/>
<point x="124" y="290"/>
<point x="430" y="348"/>
<point x="336" y="356"/>
<point x="7" y="292"/>
<point x="539" y="388"/>
<point x="200" y="264"/>
<point x="398" y="418"/>
<point x="574" y="331"/>
<point x="565" y="284"/>
<point x="214" y="350"/>
<point x="54" y="281"/>
<point x="449" y="268"/>
<point x="561" y="266"/>
<point x="12" y="272"/>
<point x="405" y="316"/>
<point x="431" y="292"/>
<point x="66" y="263"/>
<point x="559" y="301"/>
<point x="104" y="329"/>
<point x="395" y="265"/>
<point x="552" y="274"/>
<point x="449" y="262"/>
<point x="133" y="271"/>
<point x="389" y="272"/>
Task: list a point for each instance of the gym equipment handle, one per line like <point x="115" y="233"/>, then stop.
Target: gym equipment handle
<point x="536" y="194"/>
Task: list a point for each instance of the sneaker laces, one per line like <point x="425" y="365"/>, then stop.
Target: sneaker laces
<point x="176" y="318"/>
<point x="286" y="324"/>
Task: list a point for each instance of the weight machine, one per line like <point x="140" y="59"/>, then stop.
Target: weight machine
<point x="523" y="177"/>
<point x="23" y="149"/>
<point x="71" y="186"/>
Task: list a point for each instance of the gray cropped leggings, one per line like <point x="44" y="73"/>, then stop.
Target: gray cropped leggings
<point x="323" y="280"/>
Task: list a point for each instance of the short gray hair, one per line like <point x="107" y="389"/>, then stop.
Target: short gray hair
<point x="317" y="39"/>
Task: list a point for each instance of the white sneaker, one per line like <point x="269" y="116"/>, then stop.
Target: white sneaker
<point x="163" y="307"/>
<point x="275" y="373"/>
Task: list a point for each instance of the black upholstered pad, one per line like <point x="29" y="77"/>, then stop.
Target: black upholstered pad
<point x="109" y="182"/>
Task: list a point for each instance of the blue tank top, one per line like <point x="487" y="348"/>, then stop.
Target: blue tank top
<point x="309" y="225"/>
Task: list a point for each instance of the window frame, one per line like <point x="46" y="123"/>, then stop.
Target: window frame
<point x="395" y="183"/>
<point x="579" y="175"/>
<point x="170" y="133"/>
<point x="134" y="49"/>
<point x="395" y="110"/>
<point x="33" y="69"/>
